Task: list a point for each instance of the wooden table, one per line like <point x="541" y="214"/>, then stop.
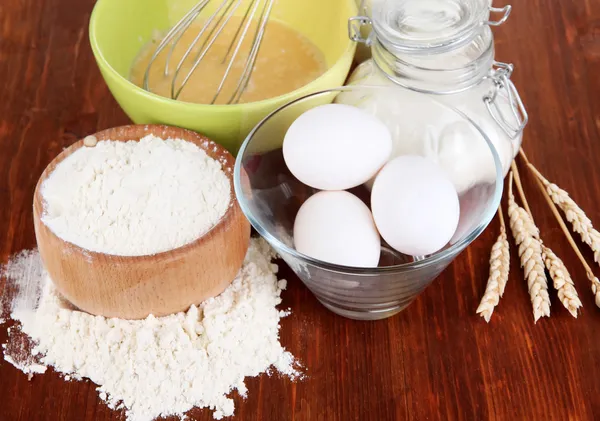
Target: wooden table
<point x="437" y="359"/>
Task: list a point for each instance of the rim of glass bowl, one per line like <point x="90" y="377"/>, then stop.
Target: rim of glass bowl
<point x="434" y="258"/>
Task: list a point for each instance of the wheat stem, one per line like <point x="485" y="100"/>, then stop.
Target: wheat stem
<point x="561" y="279"/>
<point x="589" y="272"/>
<point x="575" y="215"/>
<point x="526" y="236"/>
<point x="519" y="185"/>
<point x="499" y="267"/>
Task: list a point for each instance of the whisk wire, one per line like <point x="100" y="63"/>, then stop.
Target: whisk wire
<point x="251" y="62"/>
<point x="237" y="33"/>
<point x="246" y="22"/>
<point x="205" y="48"/>
<point x="183" y="29"/>
<point x="191" y="15"/>
<point x="211" y="29"/>
<point x="210" y="40"/>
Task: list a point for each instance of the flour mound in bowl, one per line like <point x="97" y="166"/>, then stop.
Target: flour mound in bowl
<point x="135" y="198"/>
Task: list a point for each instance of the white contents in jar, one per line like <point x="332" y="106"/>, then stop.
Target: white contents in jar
<point x="415" y="206"/>
<point x="336" y="147"/>
<point x="337" y="227"/>
<point x="420" y="126"/>
<point x="135" y="198"/>
<point x="155" y="367"/>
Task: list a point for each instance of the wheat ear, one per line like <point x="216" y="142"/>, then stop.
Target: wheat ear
<point x="563" y="283"/>
<point x="499" y="267"/>
<point x="575" y="215"/>
<point x="526" y="236"/>
<point x="561" y="279"/>
<point x="589" y="272"/>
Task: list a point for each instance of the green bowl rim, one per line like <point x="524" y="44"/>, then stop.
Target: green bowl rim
<point x="351" y="47"/>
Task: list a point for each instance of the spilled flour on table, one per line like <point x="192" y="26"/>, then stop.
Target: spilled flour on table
<point x="157" y="366"/>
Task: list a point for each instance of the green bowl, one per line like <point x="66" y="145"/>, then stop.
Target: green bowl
<point x="120" y="28"/>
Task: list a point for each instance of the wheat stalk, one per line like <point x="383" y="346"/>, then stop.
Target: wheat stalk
<point x="499" y="267"/>
<point x="563" y="283"/>
<point x="526" y="236"/>
<point x="558" y="271"/>
<point x="553" y="207"/>
<point x="595" y="287"/>
<point x="575" y="215"/>
<point x="559" y="274"/>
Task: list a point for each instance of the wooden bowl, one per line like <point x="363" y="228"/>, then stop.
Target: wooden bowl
<point x="132" y="287"/>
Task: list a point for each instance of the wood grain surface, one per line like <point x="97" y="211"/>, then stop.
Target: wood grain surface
<point x="435" y="361"/>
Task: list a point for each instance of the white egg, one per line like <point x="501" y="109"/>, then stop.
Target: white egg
<point x="415" y="205"/>
<point x="337" y="227"/>
<point x="336" y="147"/>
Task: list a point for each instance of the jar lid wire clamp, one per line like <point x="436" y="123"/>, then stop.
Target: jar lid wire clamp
<point x="505" y="14"/>
<point x="500" y="75"/>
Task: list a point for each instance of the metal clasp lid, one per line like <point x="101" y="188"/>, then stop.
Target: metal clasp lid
<point x="505" y="14"/>
<point x="513" y="124"/>
<point x="355" y="23"/>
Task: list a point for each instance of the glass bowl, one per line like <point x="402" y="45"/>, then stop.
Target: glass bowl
<point x="270" y="196"/>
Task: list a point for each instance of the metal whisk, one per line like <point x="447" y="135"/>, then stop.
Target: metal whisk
<point x="216" y="22"/>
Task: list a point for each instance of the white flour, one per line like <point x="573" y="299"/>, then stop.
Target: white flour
<point x="135" y="198"/>
<point x="26" y="268"/>
<point x="157" y="366"/>
<point x="27" y="367"/>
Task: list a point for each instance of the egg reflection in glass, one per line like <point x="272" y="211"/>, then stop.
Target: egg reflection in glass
<point x="415" y="205"/>
<point x="337" y="227"/>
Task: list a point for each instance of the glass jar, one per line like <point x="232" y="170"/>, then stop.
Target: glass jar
<point x="443" y="48"/>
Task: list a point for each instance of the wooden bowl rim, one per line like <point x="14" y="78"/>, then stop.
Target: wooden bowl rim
<point x="212" y="149"/>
